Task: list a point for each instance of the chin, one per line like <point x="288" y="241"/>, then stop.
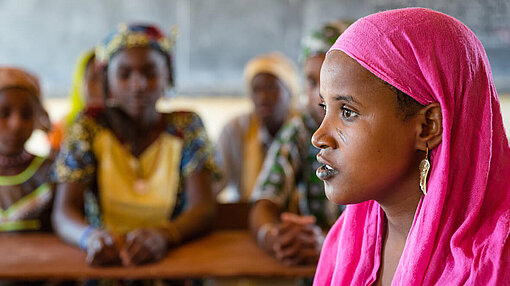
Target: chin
<point x="332" y="193"/>
<point x="339" y="195"/>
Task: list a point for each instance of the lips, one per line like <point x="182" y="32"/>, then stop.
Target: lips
<point x="12" y="140"/>
<point x="325" y="172"/>
<point x="265" y="110"/>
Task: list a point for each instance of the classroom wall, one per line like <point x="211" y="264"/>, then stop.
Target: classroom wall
<point x="216" y="37"/>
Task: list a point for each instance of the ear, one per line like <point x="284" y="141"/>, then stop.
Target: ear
<point x="430" y="127"/>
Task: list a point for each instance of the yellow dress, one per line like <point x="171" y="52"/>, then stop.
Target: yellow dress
<point x="137" y="192"/>
<point x="134" y="192"/>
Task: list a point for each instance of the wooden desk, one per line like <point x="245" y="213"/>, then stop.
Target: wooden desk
<point x="221" y="254"/>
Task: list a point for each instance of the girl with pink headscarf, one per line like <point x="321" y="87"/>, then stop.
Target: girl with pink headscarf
<point x="414" y="141"/>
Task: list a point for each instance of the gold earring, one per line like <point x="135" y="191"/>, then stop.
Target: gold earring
<point x="424" y="171"/>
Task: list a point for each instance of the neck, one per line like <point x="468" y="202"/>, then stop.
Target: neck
<point x="13" y="164"/>
<point x="400" y="213"/>
<point x="143" y="123"/>
<point x="147" y="120"/>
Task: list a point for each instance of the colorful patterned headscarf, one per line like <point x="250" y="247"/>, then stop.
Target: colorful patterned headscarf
<point x="132" y="36"/>
<point x="11" y="77"/>
<point x="319" y="42"/>
<point x="135" y="36"/>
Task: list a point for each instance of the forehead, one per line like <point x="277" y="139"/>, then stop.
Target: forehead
<point x="264" y="78"/>
<point x="315" y="60"/>
<point x="313" y="64"/>
<point x="136" y="57"/>
<point x="342" y="75"/>
<point x="16" y="96"/>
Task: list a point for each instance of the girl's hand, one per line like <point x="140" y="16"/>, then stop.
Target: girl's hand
<point x="142" y="246"/>
<point x="297" y="240"/>
<point x="102" y="249"/>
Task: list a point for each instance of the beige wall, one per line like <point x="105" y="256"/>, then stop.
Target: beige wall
<point x="215" y="112"/>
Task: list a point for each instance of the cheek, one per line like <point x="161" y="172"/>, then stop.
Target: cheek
<point x="282" y="99"/>
<point x="376" y="159"/>
<point x="3" y="125"/>
<point x="28" y="128"/>
<point x="116" y="87"/>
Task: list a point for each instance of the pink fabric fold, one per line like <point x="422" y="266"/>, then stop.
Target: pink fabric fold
<point x="460" y="231"/>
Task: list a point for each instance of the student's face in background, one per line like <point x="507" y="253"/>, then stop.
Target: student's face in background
<point x="17" y="113"/>
<point x="271" y="99"/>
<point x="137" y="78"/>
<point x="93" y="85"/>
<point x="312" y="70"/>
<point x="368" y="151"/>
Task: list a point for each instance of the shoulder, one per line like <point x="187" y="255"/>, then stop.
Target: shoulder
<point x="181" y="123"/>
<point x="86" y="124"/>
<point x="239" y="124"/>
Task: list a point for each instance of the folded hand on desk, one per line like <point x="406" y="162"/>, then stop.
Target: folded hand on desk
<point x="137" y="247"/>
<point x="102" y="248"/>
<point x="296" y="240"/>
<point x="142" y="246"/>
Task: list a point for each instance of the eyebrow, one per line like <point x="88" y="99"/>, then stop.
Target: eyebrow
<point x="347" y="98"/>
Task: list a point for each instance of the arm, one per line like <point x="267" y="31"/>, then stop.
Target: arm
<point x="264" y="217"/>
<point x="227" y="153"/>
<point x="68" y="213"/>
<point x="70" y="224"/>
<point x="68" y="216"/>
<point x="291" y="238"/>
<point x="198" y="218"/>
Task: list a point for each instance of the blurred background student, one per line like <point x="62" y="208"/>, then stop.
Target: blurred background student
<point x="26" y="192"/>
<point x="272" y="82"/>
<point x="143" y="176"/>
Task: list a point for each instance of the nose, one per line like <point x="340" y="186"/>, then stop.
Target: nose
<point x="15" y="121"/>
<point x="323" y="137"/>
<point x="138" y="81"/>
<point x="263" y="97"/>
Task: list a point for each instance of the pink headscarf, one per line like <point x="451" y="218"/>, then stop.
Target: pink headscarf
<point x="460" y="231"/>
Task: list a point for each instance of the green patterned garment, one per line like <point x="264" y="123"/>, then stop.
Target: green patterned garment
<point x="288" y="175"/>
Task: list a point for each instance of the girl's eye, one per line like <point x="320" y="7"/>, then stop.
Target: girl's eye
<point x="323" y="106"/>
<point x="311" y="83"/>
<point x="123" y="74"/>
<point x="27" y="114"/>
<point x="4" y="113"/>
<point x="348" y="114"/>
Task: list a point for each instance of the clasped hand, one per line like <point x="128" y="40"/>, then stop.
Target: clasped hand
<point x="137" y="247"/>
<point x="296" y="240"/>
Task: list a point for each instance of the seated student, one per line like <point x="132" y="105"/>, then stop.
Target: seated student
<point x="143" y="176"/>
<point x="86" y="91"/>
<point x="413" y="140"/>
<point x="287" y="182"/>
<point x="25" y="190"/>
<point x="272" y="82"/>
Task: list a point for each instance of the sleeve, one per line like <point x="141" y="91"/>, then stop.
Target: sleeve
<point x="198" y="152"/>
<point x="76" y="161"/>
<point x="228" y="154"/>
<point x="277" y="179"/>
